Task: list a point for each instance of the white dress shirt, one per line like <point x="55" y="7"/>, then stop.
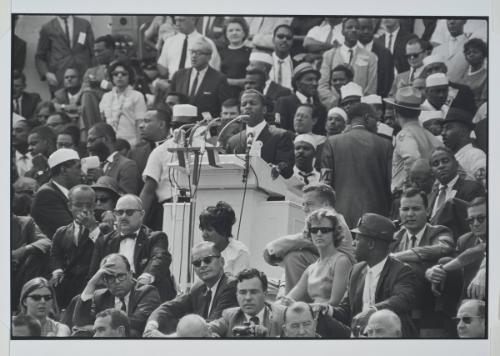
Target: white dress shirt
<point x="213" y="290"/>
<point x="201" y="75"/>
<point x="70" y="28"/>
<point x="23" y="162"/>
<point x="302" y="98"/>
<point x="371" y="281"/>
<point x="344" y="52"/>
<point x="387" y="36"/>
<point x="408" y="235"/>
<point x="472" y="160"/>
<point x="118" y="302"/>
<point x="312" y="177"/>
<point x="127" y="249"/>
<point x="367" y="46"/>
<point x="260" y="316"/>
<point x="450" y="193"/>
<point x="256" y="130"/>
<point x="109" y="160"/>
<point x="286" y="71"/>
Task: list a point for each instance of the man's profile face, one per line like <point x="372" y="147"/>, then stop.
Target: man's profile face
<point x="443" y="166"/>
<point x="250" y="296"/>
<point x="300" y="324"/>
<point x="229" y="113"/>
<point x="470" y="325"/>
<point x="96" y="143"/>
<point x="452" y="135"/>
<point x="102" y="54"/>
<point x="36" y="144"/>
<point x="412" y="213"/>
<point x="103" y="328"/>
<point x="65" y="141"/>
<point x="20" y="132"/>
<point x="172" y="100"/>
<point x="313" y="201"/>
<point x="150" y="126"/>
<point x="303" y="120"/>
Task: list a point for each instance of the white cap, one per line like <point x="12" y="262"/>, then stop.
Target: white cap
<point x="372" y="99"/>
<point x="430" y="115"/>
<point x="306" y="138"/>
<point x="261" y="57"/>
<point x="351" y="89"/>
<point x="16" y="118"/>
<point x="436" y="79"/>
<point x="339" y="111"/>
<point x="432" y="59"/>
<point x="62" y="155"/>
<point x="185" y="110"/>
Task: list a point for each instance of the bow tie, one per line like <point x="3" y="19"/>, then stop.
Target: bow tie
<point x="305" y="176"/>
<point x="128" y="236"/>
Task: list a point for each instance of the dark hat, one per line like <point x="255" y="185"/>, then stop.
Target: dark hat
<point x="406" y="97"/>
<point x="375" y="226"/>
<point x="148" y="64"/>
<point x="459" y="115"/>
<point x="108" y="184"/>
<point x="304" y="68"/>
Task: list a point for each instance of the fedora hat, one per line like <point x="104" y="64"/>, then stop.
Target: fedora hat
<point x="406" y="97"/>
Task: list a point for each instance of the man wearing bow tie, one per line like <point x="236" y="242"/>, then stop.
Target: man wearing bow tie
<point x="305" y="151"/>
<point x="215" y="292"/>
<point x="145" y="250"/>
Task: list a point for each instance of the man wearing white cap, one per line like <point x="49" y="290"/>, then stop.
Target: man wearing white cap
<point x="336" y="121"/>
<point x="415" y="55"/>
<point x="305" y="151"/>
<point x="375" y="102"/>
<point x="432" y="120"/>
<point x="436" y="92"/>
<point x="206" y="87"/>
<point x="350" y="94"/>
<point x="50" y="204"/>
<point x="413" y="141"/>
<point x="362" y="61"/>
<point x="264" y="62"/>
<point x="357" y="164"/>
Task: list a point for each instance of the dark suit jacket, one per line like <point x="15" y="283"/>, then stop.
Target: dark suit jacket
<point x="385" y="69"/>
<point x="276" y="91"/>
<point x="125" y="172"/>
<point x="168" y="314"/>
<point x="399" y="53"/>
<point x="396" y="291"/>
<point x="466" y="190"/>
<point x="142" y="301"/>
<point x="139" y="154"/>
<point x="212" y="91"/>
<point x="273" y="320"/>
<point x="18" y="53"/>
<point x="286" y="106"/>
<point x="50" y="209"/>
<point x="464" y="99"/>
<point x="150" y="256"/>
<point x="72" y="259"/>
<point x="29" y="102"/>
<point x="54" y="54"/>
<point x="361" y="164"/>
<point x="277" y="147"/>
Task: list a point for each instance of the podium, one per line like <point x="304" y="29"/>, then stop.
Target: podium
<point x="272" y="208"/>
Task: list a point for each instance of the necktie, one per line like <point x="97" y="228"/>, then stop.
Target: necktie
<point x="280" y="71"/>
<point x="208" y="299"/>
<point x="441" y="198"/>
<point x="195" y="85"/>
<point x="128" y="236"/>
<point x="305" y="176"/>
<point x="124" y="306"/>
<point x="413" y="241"/>
<point x="255" y="320"/>
<point x="350" y="55"/>
<point x="17" y="108"/>
<point x="390" y="43"/>
<point x="309" y="100"/>
<point x="66" y="28"/>
<point x="412" y="75"/>
<point x="182" y="63"/>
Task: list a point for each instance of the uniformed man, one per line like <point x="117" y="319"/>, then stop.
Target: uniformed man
<point x="413" y="141"/>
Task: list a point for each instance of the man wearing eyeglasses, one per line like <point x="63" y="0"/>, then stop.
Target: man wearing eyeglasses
<point x="122" y="292"/>
<point x="208" y="298"/>
<point x="145" y="250"/>
<point x="415" y="55"/>
<point x="471" y="319"/>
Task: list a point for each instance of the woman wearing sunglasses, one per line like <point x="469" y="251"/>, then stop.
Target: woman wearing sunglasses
<point x="123" y="107"/>
<point x="215" y="224"/>
<point x="38" y="299"/>
<point x="325" y="281"/>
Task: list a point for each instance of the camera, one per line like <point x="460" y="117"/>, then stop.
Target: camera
<point x="247" y="329"/>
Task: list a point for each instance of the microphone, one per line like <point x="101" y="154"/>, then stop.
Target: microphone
<point x="250" y="138"/>
<point x="240" y="118"/>
<point x="180" y="134"/>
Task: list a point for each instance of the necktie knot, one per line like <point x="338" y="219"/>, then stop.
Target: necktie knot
<point x="124" y="306"/>
<point x="413" y="241"/>
<point x="255" y="320"/>
<point x="128" y="236"/>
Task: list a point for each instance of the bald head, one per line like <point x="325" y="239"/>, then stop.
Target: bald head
<point x="384" y="323"/>
<point x="192" y="325"/>
<point x="299" y="321"/>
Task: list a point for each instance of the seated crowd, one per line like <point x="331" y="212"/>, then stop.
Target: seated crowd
<point x="384" y="127"/>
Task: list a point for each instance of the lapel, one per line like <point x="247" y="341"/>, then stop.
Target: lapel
<point x="264" y="134"/>
<point x="425" y="240"/>
<point x="132" y="300"/>
<point x="185" y="84"/>
<point x="76" y="31"/>
<point x="204" y="83"/>
<point x="432" y="197"/>
<point x="56" y="26"/>
<point x="60" y="194"/>
<point x="267" y="322"/>
<point x="139" y="245"/>
<point x="397" y="242"/>
<point x="358" y="292"/>
<point x="383" y="274"/>
<point x="113" y="164"/>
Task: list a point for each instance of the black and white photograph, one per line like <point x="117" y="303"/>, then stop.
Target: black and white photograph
<point x="231" y="176"/>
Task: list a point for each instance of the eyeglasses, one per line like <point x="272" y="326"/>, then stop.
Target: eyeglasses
<point x="414" y="55"/>
<point x="480" y="219"/>
<point x="112" y="278"/>
<point x="39" y="297"/>
<point x="198" y="53"/>
<point x="117" y="73"/>
<point x="282" y="36"/>
<point x="128" y="212"/>
<point x="206" y="260"/>
<point x="465" y="319"/>
<point x="324" y="230"/>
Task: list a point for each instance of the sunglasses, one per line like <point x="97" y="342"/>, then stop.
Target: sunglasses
<point x="206" y="260"/>
<point x="414" y="55"/>
<point x="480" y="219"/>
<point x="123" y="74"/>
<point x="465" y="319"/>
<point x="324" y="230"/>
<point x="102" y="200"/>
<point x="128" y="212"/>
<point x="110" y="278"/>
<point x="39" y="297"/>
<point x="282" y="36"/>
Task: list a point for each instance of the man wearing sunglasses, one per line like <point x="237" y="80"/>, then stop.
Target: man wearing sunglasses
<point x="215" y="292"/>
<point x="282" y="70"/>
<point x="145" y="250"/>
<point x="415" y="55"/>
<point x="122" y="292"/>
<point x="471" y="319"/>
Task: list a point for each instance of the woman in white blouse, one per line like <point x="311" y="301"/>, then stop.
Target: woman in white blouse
<point x="123" y="107"/>
<point x="215" y="224"/>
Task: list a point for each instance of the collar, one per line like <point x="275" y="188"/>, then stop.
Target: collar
<point x="136" y="233"/>
<point x="266" y="87"/>
<point x="418" y="235"/>
<point x="367" y="46"/>
<point x="111" y="157"/>
<point x="483" y="67"/>
<point x="125" y="298"/>
<point x="417" y="71"/>
<point x="215" y="286"/>
<point x="286" y="59"/>
<point x="124" y="92"/>
<point x="20" y="156"/>
<point x="450" y="184"/>
<point x="201" y="72"/>
<point x="456" y="39"/>
<point x="259" y="315"/>
<point x="257" y="129"/>
<point x="64" y="190"/>
<point x="302" y="98"/>
<point x="394" y="33"/>
<point x="377" y="269"/>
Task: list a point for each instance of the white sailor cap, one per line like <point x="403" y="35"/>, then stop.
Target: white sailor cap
<point x="339" y="111"/>
<point x="427" y="115"/>
<point x="306" y="138"/>
<point x="351" y="89"/>
<point x="261" y="57"/>
<point x="62" y="155"/>
<point x="432" y="59"/>
<point x="372" y="99"/>
<point x="185" y="110"/>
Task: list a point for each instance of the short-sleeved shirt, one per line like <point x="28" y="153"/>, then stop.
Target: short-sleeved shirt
<point x="236" y="257"/>
<point x="472" y="160"/>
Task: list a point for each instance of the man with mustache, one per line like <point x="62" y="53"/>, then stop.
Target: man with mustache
<point x="305" y="151"/>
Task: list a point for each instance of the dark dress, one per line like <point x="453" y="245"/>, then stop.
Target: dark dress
<point x="233" y="64"/>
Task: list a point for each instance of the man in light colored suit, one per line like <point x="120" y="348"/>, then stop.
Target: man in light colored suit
<point x="362" y="61"/>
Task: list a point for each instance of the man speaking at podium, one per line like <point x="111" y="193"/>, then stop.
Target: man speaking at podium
<point x="276" y="144"/>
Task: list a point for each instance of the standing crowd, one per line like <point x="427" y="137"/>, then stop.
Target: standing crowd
<point x="383" y="122"/>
